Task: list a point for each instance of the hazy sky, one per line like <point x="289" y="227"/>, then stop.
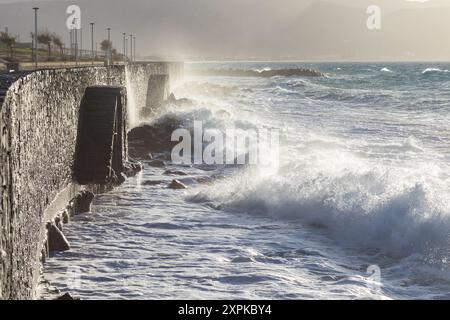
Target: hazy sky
<point x="281" y="29"/>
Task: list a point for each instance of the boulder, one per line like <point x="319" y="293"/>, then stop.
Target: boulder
<point x="131" y="168"/>
<point x="152" y="182"/>
<point x="175" y="184"/>
<point x="58" y="223"/>
<point x="82" y="202"/>
<point x="121" y="178"/>
<point x="65" y="216"/>
<point x="157" y="163"/>
<point x="67" y="296"/>
<point x="174" y="173"/>
<point x="56" y="240"/>
<point x="172" y="98"/>
<point x="154" y="138"/>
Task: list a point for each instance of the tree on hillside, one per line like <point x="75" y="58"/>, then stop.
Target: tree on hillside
<point x="57" y="41"/>
<point x="8" y="41"/>
<point x="46" y="38"/>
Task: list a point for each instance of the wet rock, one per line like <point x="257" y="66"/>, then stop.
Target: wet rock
<point x="56" y="240"/>
<point x="69" y="209"/>
<point x="154" y="138"/>
<point x="172" y="98"/>
<point x="58" y="223"/>
<point x="152" y="182"/>
<point x="183" y="102"/>
<point x="132" y="167"/>
<point x="174" y="173"/>
<point x="175" y="184"/>
<point x="82" y="202"/>
<point x="121" y="178"/>
<point x="205" y="179"/>
<point x="157" y="164"/>
<point x="65" y="217"/>
<point x="43" y="255"/>
<point x="67" y="296"/>
<point x="54" y="290"/>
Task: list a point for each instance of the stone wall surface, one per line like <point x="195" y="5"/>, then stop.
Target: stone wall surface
<point x="38" y="129"/>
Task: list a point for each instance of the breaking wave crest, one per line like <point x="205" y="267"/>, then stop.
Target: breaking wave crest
<point x="433" y="70"/>
<point x="397" y="211"/>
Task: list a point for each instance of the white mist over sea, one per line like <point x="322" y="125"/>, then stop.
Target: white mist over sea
<point x="363" y="181"/>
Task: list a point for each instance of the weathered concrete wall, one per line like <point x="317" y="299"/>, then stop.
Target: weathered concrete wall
<point x="38" y="128"/>
<point x="137" y="83"/>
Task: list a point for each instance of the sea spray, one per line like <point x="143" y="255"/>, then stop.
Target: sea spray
<point x="132" y="108"/>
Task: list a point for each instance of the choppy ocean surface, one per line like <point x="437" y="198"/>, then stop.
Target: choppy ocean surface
<point x="359" y="207"/>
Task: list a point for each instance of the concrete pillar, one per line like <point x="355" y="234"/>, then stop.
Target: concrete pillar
<point x="101" y="138"/>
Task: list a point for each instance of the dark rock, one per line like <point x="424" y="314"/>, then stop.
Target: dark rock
<point x="205" y="179"/>
<point x="171" y="98"/>
<point x="82" y="202"/>
<point x="132" y="167"/>
<point x="65" y="217"/>
<point x="67" y="296"/>
<point x="153" y="138"/>
<point x="175" y="184"/>
<point x="54" y="290"/>
<point x="152" y="182"/>
<point x="58" y="223"/>
<point x="69" y="209"/>
<point x="43" y="255"/>
<point x="56" y="239"/>
<point x="121" y="178"/>
<point x="157" y="163"/>
<point x="174" y="173"/>
<point x="137" y="166"/>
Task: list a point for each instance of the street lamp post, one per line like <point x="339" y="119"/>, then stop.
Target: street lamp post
<point x="92" y="41"/>
<point x="124" y="47"/>
<point x="134" y="49"/>
<point x="131" y="47"/>
<point x="35" y="37"/>
<point x="109" y="47"/>
<point x="76" y="44"/>
<point x="81" y="43"/>
<point x="71" y="44"/>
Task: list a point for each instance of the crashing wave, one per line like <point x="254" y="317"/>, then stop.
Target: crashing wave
<point x="434" y="70"/>
<point x="398" y="212"/>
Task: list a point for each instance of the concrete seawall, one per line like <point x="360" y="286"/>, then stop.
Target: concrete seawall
<point x="38" y="134"/>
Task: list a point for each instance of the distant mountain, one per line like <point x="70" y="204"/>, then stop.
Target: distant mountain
<point x="312" y="29"/>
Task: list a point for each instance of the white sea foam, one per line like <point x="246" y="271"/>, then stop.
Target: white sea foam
<point x="398" y="211"/>
<point x="386" y="70"/>
<point x="434" y="70"/>
<point x="263" y="69"/>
